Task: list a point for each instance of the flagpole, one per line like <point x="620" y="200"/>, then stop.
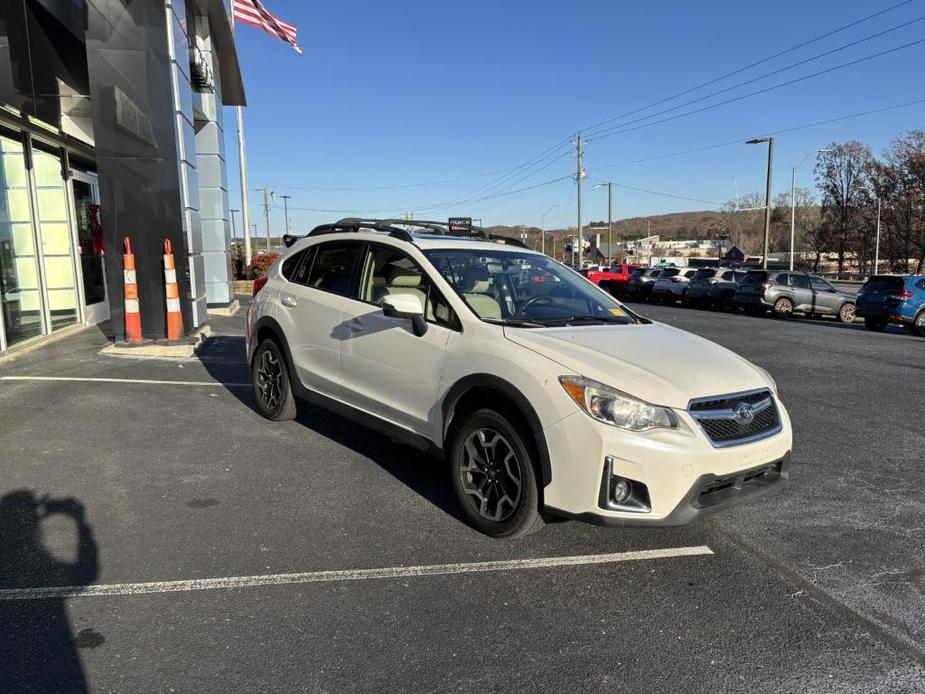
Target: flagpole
<point x="242" y="165"/>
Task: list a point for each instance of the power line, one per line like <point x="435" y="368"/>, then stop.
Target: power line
<point x="751" y="65"/>
<point x="666" y="195"/>
<point x="765" y="75"/>
<point x="739" y="140"/>
<point x="399" y="185"/>
<point x="761" y="91"/>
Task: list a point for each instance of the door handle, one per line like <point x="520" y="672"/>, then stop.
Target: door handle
<point x="288" y="301"/>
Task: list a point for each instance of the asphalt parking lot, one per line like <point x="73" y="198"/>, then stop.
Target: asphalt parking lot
<point x="227" y="553"/>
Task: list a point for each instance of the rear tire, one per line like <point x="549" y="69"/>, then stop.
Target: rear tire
<point x="918" y="326"/>
<point x="491" y="465"/>
<point x="875" y="323"/>
<point x="272" y="386"/>
<point x="783" y="308"/>
<point x="846" y="313"/>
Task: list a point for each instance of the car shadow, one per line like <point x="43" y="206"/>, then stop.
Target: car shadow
<point x="223" y="358"/>
<point x="39" y="650"/>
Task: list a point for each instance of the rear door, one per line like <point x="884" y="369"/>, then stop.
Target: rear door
<point x="825" y="297"/>
<point x="388" y="371"/>
<point x="802" y="292"/>
<point x="311" y="311"/>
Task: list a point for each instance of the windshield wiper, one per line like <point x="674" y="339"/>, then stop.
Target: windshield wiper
<point x="513" y="322"/>
<point x="586" y="319"/>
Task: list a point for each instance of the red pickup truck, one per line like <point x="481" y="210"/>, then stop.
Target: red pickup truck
<point x="613" y="280"/>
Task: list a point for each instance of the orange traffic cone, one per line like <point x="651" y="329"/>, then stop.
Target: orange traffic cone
<point x="132" y="313"/>
<point x="174" y="317"/>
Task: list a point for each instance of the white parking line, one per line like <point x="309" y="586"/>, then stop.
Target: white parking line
<point x="214" y="384"/>
<point x="58" y="592"/>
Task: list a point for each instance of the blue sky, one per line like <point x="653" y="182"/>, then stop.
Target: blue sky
<point x="400" y="94"/>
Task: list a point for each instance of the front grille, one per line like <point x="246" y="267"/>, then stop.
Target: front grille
<point x="728" y="420"/>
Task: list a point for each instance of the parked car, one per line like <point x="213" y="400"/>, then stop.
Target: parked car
<point x="639" y="285"/>
<point x="898" y="299"/>
<point x="612" y="279"/>
<point x="698" y="289"/>
<point x="426" y="338"/>
<point x="786" y="292"/>
<point x="722" y="293"/>
<point x="671" y="284"/>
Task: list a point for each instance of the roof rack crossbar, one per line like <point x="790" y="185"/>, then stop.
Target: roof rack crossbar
<point x="397" y="229"/>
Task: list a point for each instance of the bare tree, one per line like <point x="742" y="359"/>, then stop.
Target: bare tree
<point x="842" y="177"/>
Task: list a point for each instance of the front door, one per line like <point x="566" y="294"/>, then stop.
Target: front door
<point x="825" y="298"/>
<point x="90" y="240"/>
<point x="386" y="369"/>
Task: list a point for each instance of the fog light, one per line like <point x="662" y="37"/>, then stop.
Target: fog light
<point x="620" y="490"/>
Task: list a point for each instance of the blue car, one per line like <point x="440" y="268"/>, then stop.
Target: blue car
<point x="898" y="299"/>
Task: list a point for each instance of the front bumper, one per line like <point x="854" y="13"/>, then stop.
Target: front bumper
<point x="684" y="475"/>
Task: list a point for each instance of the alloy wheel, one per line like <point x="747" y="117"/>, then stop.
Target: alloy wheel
<point x="847" y="313"/>
<point x="490" y="474"/>
<point x="783" y="307"/>
<point x="269" y="379"/>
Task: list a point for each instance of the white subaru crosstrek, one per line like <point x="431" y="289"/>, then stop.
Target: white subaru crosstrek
<point x="544" y="394"/>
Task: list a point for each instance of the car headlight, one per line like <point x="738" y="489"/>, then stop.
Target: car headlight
<point x="609" y="405"/>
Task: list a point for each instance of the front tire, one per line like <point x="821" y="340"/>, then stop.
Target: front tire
<point x="846" y="313"/>
<point x="272" y="387"/>
<point x="493" y="476"/>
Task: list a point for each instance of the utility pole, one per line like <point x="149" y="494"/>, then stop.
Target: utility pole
<point x="266" y="211"/>
<point x="286" y="211"/>
<point x="767" y="195"/>
<point x="580" y="154"/>
<point x="877" y="246"/>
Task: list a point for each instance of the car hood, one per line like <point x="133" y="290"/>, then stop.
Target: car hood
<point x="657" y="363"/>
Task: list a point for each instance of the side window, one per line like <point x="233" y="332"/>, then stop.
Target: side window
<point x="333" y="267"/>
<point x="389" y="271"/>
<point x="728" y="275"/>
<point x="295" y="269"/>
<point x="799" y="281"/>
<point x="291" y="264"/>
<point x="820" y="285"/>
<point x="921" y="285"/>
<point x="784" y="279"/>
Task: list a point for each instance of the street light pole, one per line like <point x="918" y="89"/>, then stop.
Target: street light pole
<point x="877" y="245"/>
<point x="580" y="152"/>
<point x="286" y="210"/>
<point x="609" y="219"/>
<point x="543" y="229"/>
<point x="767" y="195"/>
<point x="793" y="204"/>
<point x="234" y="233"/>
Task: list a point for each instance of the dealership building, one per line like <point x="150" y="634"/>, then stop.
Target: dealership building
<point x="111" y="126"/>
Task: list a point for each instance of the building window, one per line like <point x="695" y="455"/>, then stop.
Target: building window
<point x="19" y="272"/>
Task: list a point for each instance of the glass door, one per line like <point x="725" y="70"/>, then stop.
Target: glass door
<point x="90" y="240"/>
<point x="21" y="303"/>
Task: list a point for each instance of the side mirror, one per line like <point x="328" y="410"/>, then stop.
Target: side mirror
<point x="406" y="306"/>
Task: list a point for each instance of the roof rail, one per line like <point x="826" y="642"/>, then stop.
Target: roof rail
<point x="395" y="228"/>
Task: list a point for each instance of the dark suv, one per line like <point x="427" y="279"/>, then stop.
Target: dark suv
<point x="898" y="299"/>
<point x="711" y="285"/>
<point x="787" y="292"/>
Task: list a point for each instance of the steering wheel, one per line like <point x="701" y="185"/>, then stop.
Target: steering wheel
<point x="534" y="300"/>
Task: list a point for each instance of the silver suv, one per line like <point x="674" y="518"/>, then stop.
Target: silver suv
<point x="786" y="292"/>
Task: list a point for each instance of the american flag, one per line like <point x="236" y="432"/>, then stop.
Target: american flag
<point x="254" y="13"/>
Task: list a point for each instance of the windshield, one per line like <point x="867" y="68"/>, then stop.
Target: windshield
<point x="703" y="274"/>
<point x="671" y="272"/>
<point x="524" y="289"/>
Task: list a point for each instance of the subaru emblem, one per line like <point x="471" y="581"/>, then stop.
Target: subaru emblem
<point x="744" y="413"/>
